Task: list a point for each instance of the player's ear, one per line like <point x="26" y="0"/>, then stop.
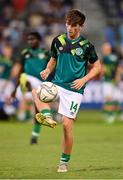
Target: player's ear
<point x="82" y="26"/>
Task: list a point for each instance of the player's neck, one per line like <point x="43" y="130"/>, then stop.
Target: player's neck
<point x="34" y="48"/>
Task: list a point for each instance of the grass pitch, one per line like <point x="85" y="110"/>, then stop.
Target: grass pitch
<point x="97" y="151"/>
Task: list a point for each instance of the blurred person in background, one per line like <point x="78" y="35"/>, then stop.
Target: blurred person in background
<point x="6" y="83"/>
<point x="119" y="80"/>
<point x="93" y="90"/>
<point x="111" y="92"/>
<point x="70" y="54"/>
<point x="32" y="60"/>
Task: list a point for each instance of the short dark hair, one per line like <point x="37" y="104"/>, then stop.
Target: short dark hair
<point x="36" y="34"/>
<point x="74" y="17"/>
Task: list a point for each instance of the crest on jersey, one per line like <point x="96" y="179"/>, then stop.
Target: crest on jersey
<point x="79" y="51"/>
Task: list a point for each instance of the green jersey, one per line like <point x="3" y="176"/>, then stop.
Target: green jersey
<point x="72" y="58"/>
<point x="5" y="68"/>
<point x="110" y="63"/>
<point x="34" y="61"/>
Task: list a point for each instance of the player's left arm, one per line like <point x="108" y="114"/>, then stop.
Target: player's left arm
<point x="95" y="70"/>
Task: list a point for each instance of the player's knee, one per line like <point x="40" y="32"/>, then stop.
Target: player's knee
<point x="67" y="124"/>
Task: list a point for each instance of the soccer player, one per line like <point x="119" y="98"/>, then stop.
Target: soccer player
<point x="5" y="83"/>
<point x="70" y="55"/>
<point x="110" y="90"/>
<point x="33" y="60"/>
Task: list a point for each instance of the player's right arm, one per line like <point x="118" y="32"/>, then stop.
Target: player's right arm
<point x="49" y="68"/>
<point x="52" y="62"/>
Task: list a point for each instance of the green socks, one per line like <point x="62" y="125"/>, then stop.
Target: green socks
<point x="36" y="130"/>
<point x="47" y="112"/>
<point x="64" y="158"/>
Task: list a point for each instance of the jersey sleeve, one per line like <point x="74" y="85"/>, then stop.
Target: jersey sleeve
<point x="53" y="49"/>
<point x="91" y="54"/>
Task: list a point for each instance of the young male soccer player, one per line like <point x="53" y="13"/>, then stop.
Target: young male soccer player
<point x="33" y="60"/>
<point x="70" y="54"/>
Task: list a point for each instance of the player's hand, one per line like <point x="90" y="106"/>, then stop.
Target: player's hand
<point x="78" y="84"/>
<point x="45" y="73"/>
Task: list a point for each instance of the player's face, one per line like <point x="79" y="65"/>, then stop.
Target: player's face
<point x="73" y="30"/>
<point x="32" y="41"/>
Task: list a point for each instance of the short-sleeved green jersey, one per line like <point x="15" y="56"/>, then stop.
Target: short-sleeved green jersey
<point x="72" y="57"/>
<point x="34" y="61"/>
<point x="110" y="63"/>
<point x="5" y="68"/>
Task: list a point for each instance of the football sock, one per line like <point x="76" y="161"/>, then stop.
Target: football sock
<point x="112" y="111"/>
<point x="64" y="158"/>
<point x="53" y="111"/>
<point x="28" y="115"/>
<point x="21" y="116"/>
<point x="109" y="113"/>
<point x="36" y="130"/>
<point x="47" y="113"/>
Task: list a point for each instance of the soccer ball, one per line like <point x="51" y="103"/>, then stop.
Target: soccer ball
<point x="47" y="92"/>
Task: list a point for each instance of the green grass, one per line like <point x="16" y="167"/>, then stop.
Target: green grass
<point x="97" y="151"/>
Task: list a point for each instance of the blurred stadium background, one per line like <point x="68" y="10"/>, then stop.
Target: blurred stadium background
<point x="104" y="24"/>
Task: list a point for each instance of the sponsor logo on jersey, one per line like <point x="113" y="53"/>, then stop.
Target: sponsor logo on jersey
<point x="60" y="48"/>
<point x="27" y="56"/>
